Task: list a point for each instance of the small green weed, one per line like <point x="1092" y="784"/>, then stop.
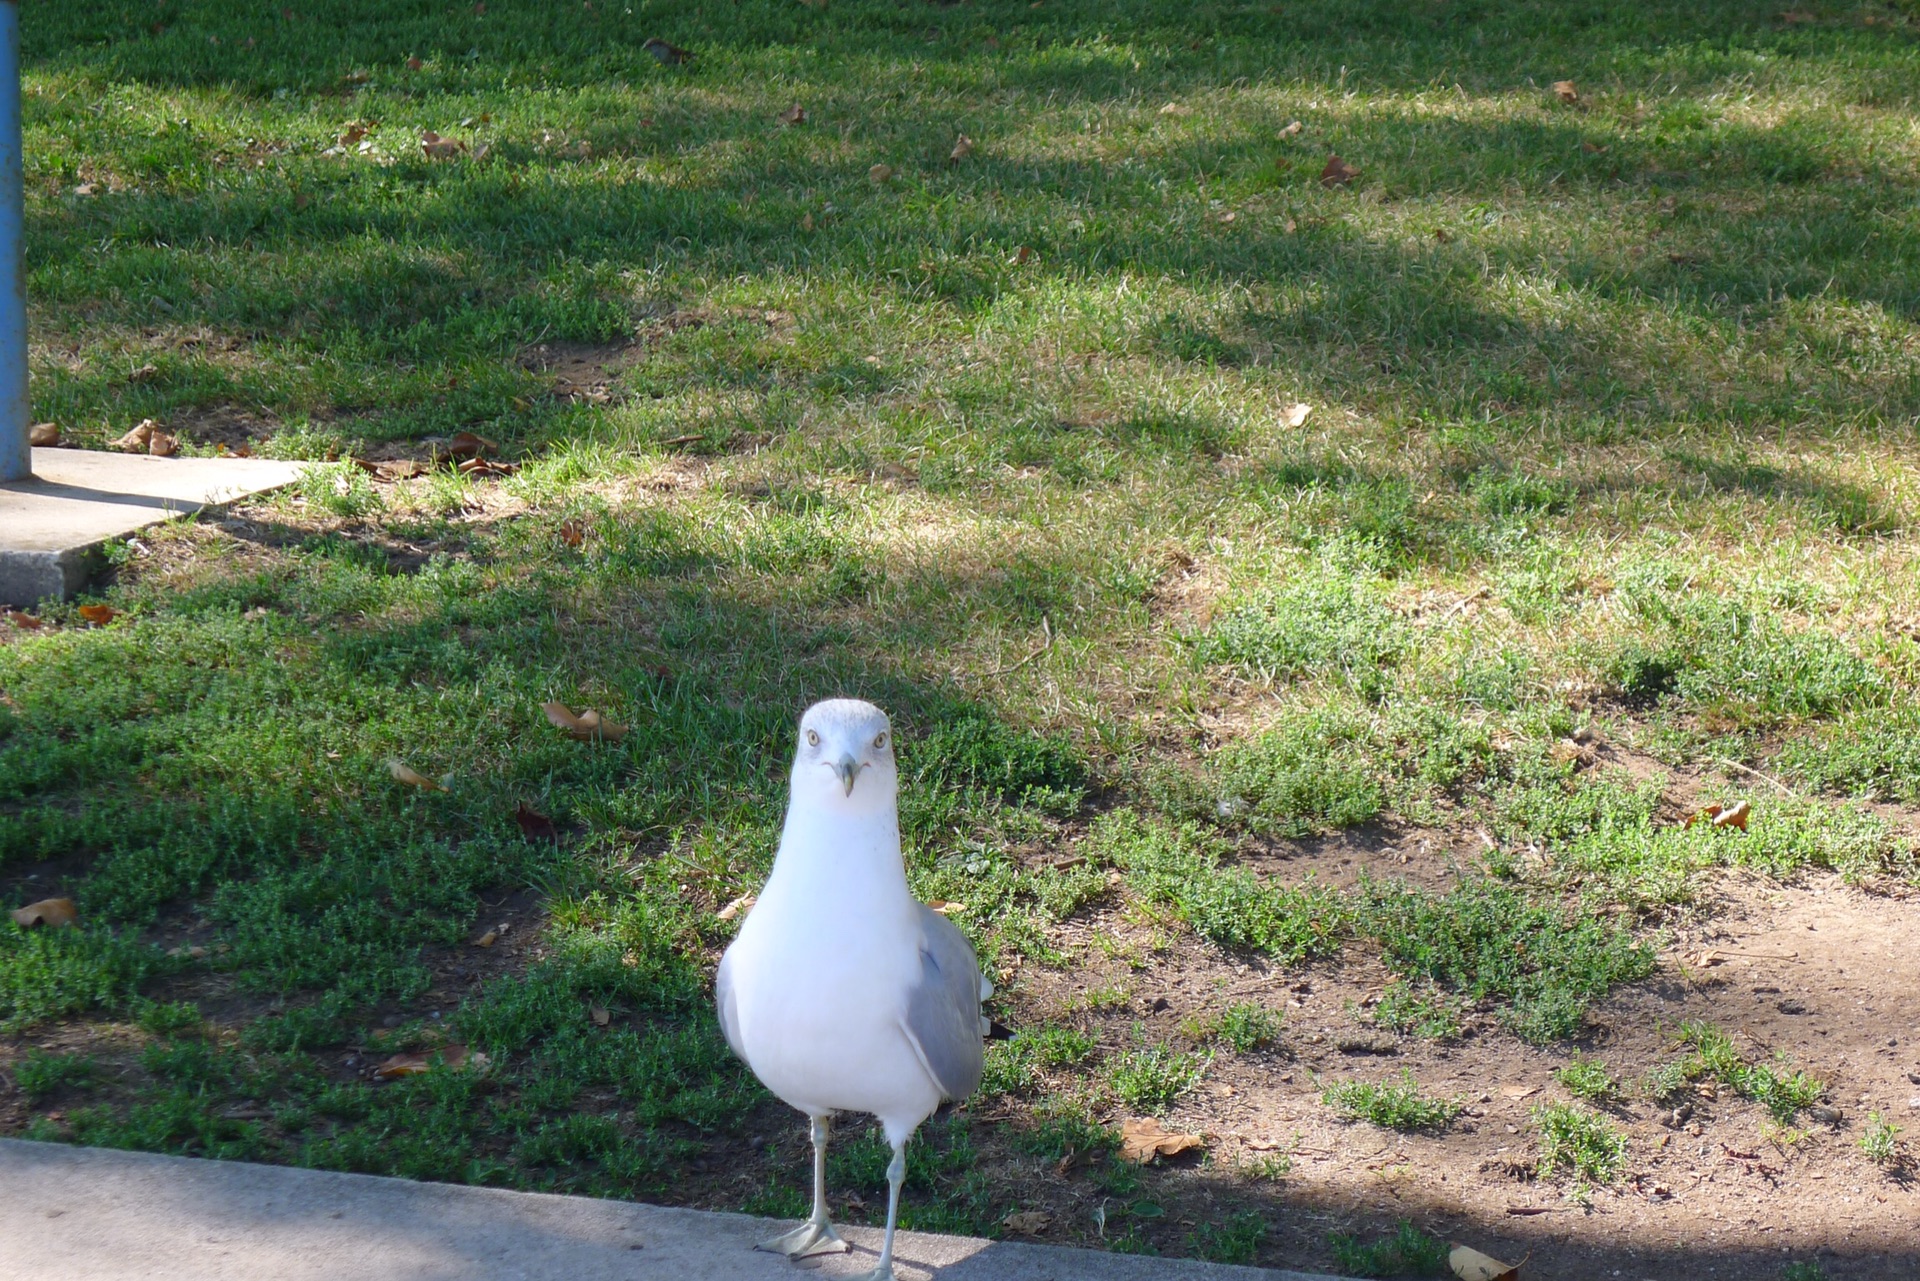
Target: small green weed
<point x="1803" y="1270"/>
<point x="1269" y="1167"/>
<point x="1392" y="1105"/>
<point x="39" y="1074"/>
<point x="1881" y="1142"/>
<point x="1235" y="1241"/>
<point x="1150" y="1078"/>
<point x="1781" y="1089"/>
<point x="1580" y="1142"/>
<point x="1588" y="1079"/>
<point x="1408" y="1252"/>
<point x="1248" y="1027"/>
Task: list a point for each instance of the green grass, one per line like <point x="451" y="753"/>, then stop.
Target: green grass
<point x="1408" y="1252"/>
<point x="1391" y="1105"/>
<point x="1609" y="432"/>
<point x="1881" y="1141"/>
<point x="1779" y="1087"/>
<point x="1248" y="1027"/>
<point x="1574" y="1140"/>
<point x="1588" y="1080"/>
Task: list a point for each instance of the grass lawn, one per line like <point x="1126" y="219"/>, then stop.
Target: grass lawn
<point x="975" y="390"/>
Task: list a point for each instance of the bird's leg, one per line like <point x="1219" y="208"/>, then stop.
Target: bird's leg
<point x="816" y="1235"/>
<point x="896" y="1175"/>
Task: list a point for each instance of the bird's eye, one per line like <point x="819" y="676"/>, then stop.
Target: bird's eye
<point x="813" y="738"/>
<point x="880" y="743"/>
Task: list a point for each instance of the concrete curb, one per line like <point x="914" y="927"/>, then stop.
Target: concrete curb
<point x="52" y="526"/>
<point x="90" y="1214"/>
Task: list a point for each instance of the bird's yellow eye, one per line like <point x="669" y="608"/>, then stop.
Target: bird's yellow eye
<point x="813" y="738"/>
<point x="880" y="743"/>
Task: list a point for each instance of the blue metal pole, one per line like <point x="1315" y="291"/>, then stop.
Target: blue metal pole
<point x="16" y="459"/>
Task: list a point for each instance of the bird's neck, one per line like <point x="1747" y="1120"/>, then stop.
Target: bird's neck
<point x="847" y="856"/>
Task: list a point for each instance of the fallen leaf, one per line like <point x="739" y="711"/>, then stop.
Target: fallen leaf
<point x="1028" y="1223"/>
<point x="1292" y="130"/>
<point x="144" y="374"/>
<point x="573" y="532"/>
<point x="1143" y="1138"/>
<point x="243" y="450"/>
<point x="1175" y="109"/>
<point x="1564" y="90"/>
<point x="25" y="622"/>
<point x="1226" y="216"/>
<point x="1592" y="147"/>
<point x="600" y="1015"/>
<point x="43" y="434"/>
<point x="1708" y="959"/>
<point x="1736" y="816"/>
<point x="403" y="773"/>
<point x="487" y="467"/>
<point x="742" y="904"/>
<point x="806" y="222"/>
<point x="1515" y="1090"/>
<point x="138" y="438"/>
<point x="879" y="174"/>
<point x="355" y="132"/>
<point x="794" y="115"/>
<point x="162" y="445"/>
<point x="945" y="908"/>
<point x="589" y="726"/>
<point x="465" y="445"/>
<point x="1289" y="226"/>
<point x="1471" y="1265"/>
<point x="439" y="148"/>
<point x="48" y="911"/>
<point x="962" y="148"/>
<point x="416" y="1062"/>
<point x="1338" y="173"/>
<point x="87" y="189"/>
<point x="99" y="615"/>
<point x="1442" y="235"/>
<point x="534" y="825"/>
<point x="488" y="939"/>
<point x="401" y="469"/>
<point x="1296" y="414"/>
<point x="1021" y="255"/>
<point x="665" y="54"/>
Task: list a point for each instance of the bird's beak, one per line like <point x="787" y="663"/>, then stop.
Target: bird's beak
<point x="848" y="769"/>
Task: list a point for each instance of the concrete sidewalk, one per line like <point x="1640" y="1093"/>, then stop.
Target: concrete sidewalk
<point x="89" y="1214"/>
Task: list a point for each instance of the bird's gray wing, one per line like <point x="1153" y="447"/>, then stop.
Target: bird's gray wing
<point x="943" y="1007"/>
<point x="723" y="997"/>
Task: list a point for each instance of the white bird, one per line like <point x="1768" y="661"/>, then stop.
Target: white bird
<point x="842" y="992"/>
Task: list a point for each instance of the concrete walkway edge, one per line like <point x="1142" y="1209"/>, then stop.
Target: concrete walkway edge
<point x="93" y="1214"/>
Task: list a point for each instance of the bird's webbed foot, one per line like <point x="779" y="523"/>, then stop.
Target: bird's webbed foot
<point x="815" y="1236"/>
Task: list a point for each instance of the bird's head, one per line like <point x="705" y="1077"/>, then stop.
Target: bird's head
<point x="845" y="757"/>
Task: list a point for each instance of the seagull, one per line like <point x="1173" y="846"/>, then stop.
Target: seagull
<point x="842" y="992"/>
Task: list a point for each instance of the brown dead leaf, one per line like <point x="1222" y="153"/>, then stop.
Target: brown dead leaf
<point x="161" y="445"/>
<point x="600" y="1015"/>
<point x="946" y="908"/>
<point x="1734" y="816"/>
<point x="243" y="450"/>
<point x="87" y="189"/>
<point x="414" y="64"/>
<point x="138" y="438"/>
<point x="25" y="622"/>
<point x="665" y="54"/>
<point x="1514" y="1090"/>
<point x="1593" y="148"/>
<point x="573" y="532"/>
<point x="962" y="148"/>
<point x="879" y="174"/>
<point x="1564" y="90"/>
<point x="99" y="615"/>
<point x="43" y="434"/>
<point x="1143" y="1138"/>
<point x="1292" y="130"/>
<point x="1028" y="1223"/>
<point x="1021" y="255"/>
<point x="484" y="467"/>
<point x="353" y="134"/>
<point x="1708" y="959"/>
<point x="404" y="773"/>
<point x="1295" y="415"/>
<point x="742" y="904"/>
<point x="1794" y="17"/>
<point x="1442" y="235"/>
<point x="1338" y="173"/>
<point x="465" y="445"/>
<point x="416" y="1062"/>
<point x="794" y="115"/>
<point x="48" y="911"/>
<point x="1175" y="109"/>
<point x="1470" y="1265"/>
<point x="534" y="825"/>
<point x="439" y="148"/>
<point x="488" y="939"/>
<point x="1226" y="216"/>
<point x="588" y="727"/>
